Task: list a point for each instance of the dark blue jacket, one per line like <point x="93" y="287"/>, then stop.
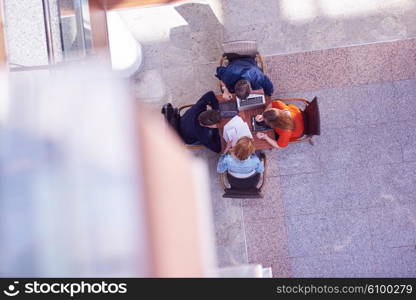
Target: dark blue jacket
<point x="190" y="130"/>
<point x="244" y="68"/>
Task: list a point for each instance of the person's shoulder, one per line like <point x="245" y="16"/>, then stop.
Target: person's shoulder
<point x="228" y="158"/>
<point x="279" y="104"/>
<point x="254" y="157"/>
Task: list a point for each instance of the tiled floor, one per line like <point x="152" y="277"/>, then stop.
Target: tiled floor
<point x="346" y="206"/>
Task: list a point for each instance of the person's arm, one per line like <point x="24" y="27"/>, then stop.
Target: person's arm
<point x="212" y="100"/>
<point x="210" y="138"/>
<point x="260" y="166"/>
<point x="207" y="99"/>
<point x="225" y="92"/>
<point x="272" y="142"/>
<point x="222" y="165"/>
<point x="220" y="72"/>
<point x="267" y="86"/>
<point x="228" y="76"/>
<point x="269" y="140"/>
<point x="216" y="142"/>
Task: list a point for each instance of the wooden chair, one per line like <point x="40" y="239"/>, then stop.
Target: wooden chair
<point x="241" y="49"/>
<point x="311" y="117"/>
<point x="237" y="187"/>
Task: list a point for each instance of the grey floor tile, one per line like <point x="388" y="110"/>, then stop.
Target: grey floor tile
<point x="204" y="78"/>
<point x="177" y="80"/>
<point x="393" y="226"/>
<point x="385" y="133"/>
<point x="316" y="266"/>
<point x="372" y="103"/>
<point x="358" y="264"/>
<point x="266" y="239"/>
<point x="206" y="47"/>
<point x="394" y="184"/>
<point x="345" y="188"/>
<point x="341" y="136"/>
<point x="405" y="109"/>
<point x="232" y="255"/>
<point x="150" y="84"/>
<point x="308" y="235"/>
<point x="199" y="16"/>
<point x="178" y="50"/>
<point x="270" y="206"/>
<point x="409" y="152"/>
<point x="152" y="55"/>
<point x="395" y="262"/>
<point x="383" y="153"/>
<point x="406" y="136"/>
<point x="349" y="232"/>
<point x="294" y="159"/>
<point x="298" y="193"/>
<point x="348" y="156"/>
<point x="405" y="88"/>
<point x="241" y="13"/>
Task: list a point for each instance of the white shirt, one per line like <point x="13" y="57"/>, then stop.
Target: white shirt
<point x="235" y="129"/>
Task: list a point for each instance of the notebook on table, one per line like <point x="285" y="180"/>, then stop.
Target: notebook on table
<point x="228" y="109"/>
<point x="259" y="126"/>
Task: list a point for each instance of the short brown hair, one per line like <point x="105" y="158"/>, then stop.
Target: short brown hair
<point x="281" y="121"/>
<point x="242" y="89"/>
<point x="209" y="117"/>
<point x="243" y="148"/>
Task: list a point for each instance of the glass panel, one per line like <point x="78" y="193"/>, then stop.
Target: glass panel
<point x="75" y="28"/>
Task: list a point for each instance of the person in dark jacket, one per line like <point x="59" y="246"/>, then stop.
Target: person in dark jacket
<point x="242" y="76"/>
<point x="199" y="125"/>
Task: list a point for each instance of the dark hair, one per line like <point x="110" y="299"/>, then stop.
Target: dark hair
<point x="209" y="117"/>
<point x="283" y="121"/>
<point x="242" y="88"/>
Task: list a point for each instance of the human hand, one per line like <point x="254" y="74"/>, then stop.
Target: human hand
<point x="261" y="135"/>
<point x="228" y="147"/>
<point x="226" y="95"/>
<point x="259" y="118"/>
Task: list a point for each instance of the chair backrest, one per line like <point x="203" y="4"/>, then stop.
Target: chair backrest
<point x="312" y="118"/>
<point x="242" y="48"/>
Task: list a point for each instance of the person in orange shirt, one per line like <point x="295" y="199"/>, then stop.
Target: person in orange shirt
<point x="287" y="121"/>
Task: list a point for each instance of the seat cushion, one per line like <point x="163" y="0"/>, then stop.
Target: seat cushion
<point x="244" y="184"/>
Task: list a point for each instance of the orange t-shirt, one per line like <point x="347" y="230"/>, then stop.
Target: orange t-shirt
<point x="286" y="136"/>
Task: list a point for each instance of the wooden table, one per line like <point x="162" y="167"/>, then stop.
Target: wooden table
<point x="246" y="116"/>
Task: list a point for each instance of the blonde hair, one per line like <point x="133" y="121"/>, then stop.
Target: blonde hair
<point x="282" y="121"/>
<point x="243" y="148"/>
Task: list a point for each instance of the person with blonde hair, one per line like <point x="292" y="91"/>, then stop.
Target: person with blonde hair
<point x="287" y="121"/>
<point x="241" y="161"/>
